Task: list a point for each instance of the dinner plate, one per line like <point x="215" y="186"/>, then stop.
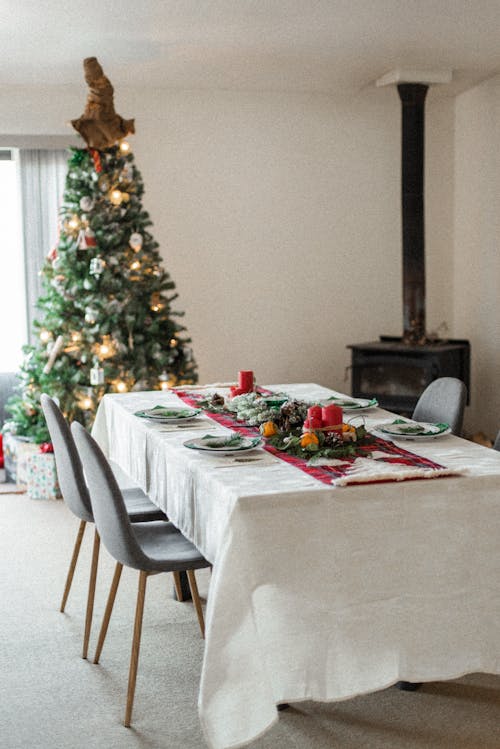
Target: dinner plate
<point x="353" y="404"/>
<point x="168" y="414"/>
<point x="410" y="430"/>
<point x="223" y="444"/>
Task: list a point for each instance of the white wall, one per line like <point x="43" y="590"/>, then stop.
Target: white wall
<point x="278" y="216"/>
<point x="477" y="250"/>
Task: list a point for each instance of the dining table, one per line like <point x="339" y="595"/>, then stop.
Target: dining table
<point x="324" y="585"/>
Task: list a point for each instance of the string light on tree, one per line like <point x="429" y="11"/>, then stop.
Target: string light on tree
<point x="116" y="196"/>
<point x="86" y="400"/>
<point x="163" y="380"/>
<point x="45" y="336"/>
<point x="106" y="349"/>
<point x="120" y="386"/>
<point x="124" y="146"/>
<point x="74" y="223"/>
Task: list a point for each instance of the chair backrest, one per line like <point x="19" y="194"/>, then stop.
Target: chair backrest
<point x="68" y="463"/>
<point x="110" y="514"/>
<point x="496" y="444"/>
<point x="443" y="401"/>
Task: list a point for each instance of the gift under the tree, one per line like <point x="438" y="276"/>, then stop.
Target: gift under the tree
<point x="16" y="453"/>
<point x="41" y="476"/>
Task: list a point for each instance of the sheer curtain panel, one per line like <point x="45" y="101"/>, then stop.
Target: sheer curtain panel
<point x="42" y="175"/>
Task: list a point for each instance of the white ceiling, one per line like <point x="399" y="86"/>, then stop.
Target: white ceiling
<point x="273" y="45"/>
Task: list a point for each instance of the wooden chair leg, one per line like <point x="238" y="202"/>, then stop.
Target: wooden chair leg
<point x="196" y="600"/>
<point x="136" y="644"/>
<point x="178" y="586"/>
<point x="91" y="593"/>
<point x="72" y="564"/>
<point x="108" y="611"/>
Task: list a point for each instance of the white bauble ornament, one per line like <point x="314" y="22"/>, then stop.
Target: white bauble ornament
<point x="90" y="315"/>
<point x="97" y="266"/>
<point x="136" y="241"/>
<point x="86" y="203"/>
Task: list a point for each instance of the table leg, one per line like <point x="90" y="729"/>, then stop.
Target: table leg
<point x="408" y="686"/>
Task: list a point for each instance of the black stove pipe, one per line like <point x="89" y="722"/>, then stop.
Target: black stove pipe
<point x="412" y="97"/>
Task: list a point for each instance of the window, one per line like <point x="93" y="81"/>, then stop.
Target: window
<point x="12" y="286"/>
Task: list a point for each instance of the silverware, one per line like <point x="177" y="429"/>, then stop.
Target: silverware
<point x="246" y="460"/>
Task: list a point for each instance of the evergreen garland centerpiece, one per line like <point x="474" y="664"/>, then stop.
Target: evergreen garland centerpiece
<point x="106" y="319"/>
<point x="282" y="422"/>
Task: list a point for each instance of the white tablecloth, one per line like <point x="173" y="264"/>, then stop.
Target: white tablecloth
<point x="318" y="592"/>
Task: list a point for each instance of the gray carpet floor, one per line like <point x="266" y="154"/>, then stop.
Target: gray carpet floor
<point x="50" y="697"/>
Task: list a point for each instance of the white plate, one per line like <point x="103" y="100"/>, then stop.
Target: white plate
<point x="209" y="444"/>
<point x="353" y="404"/>
<point x="410" y="430"/>
<point x="168" y="414"/>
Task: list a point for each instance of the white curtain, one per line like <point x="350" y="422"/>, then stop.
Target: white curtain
<point x="42" y="177"/>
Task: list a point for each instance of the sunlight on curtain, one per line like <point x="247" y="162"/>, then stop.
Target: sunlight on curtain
<point x="42" y="174"/>
<point x="12" y="294"/>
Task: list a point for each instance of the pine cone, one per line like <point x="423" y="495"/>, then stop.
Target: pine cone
<point x="332" y="439"/>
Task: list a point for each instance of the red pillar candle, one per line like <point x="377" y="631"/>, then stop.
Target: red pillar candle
<point x="245" y="380"/>
<point x="332" y="416"/>
<point x="314" y="412"/>
<point x="313" y="422"/>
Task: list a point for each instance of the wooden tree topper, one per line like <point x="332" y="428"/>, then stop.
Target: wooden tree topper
<point x="99" y="125"/>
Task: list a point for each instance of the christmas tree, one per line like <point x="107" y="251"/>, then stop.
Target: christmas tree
<point x="106" y="320"/>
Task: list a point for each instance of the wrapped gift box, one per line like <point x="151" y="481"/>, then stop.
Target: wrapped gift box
<point x="41" y="476"/>
<point x="16" y="453"/>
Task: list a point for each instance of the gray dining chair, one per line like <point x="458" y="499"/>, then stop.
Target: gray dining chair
<point x="75" y="493"/>
<point x="149" y="548"/>
<point x="443" y="401"/>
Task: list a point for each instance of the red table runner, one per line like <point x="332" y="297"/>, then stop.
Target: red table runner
<point x="326" y="474"/>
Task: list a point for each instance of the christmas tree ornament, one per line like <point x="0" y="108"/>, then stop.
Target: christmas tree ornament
<point x="125" y="197"/>
<point x="86" y="203"/>
<point x="100" y="126"/>
<point x="97" y="265"/>
<point x="91" y="314"/>
<point x="104" y="184"/>
<point x="127" y="173"/>
<point x="54" y="353"/>
<point x="86" y="239"/>
<point x="136" y="241"/>
<point x="97" y="374"/>
<point x="52" y="254"/>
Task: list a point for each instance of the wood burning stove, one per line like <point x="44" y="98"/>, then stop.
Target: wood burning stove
<point x="397" y="370"/>
<point x="396" y="373"/>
